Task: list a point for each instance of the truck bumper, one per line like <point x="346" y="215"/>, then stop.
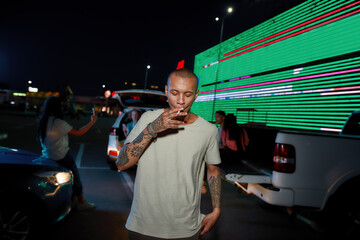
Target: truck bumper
<point x="281" y="197"/>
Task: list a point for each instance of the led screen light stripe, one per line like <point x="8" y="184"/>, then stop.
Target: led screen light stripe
<point x="277" y="91"/>
<point x="245" y="93"/>
<point x="331" y="129"/>
<point x="340" y="93"/>
<point x="286" y="80"/>
<point x="309" y="81"/>
<point x="293" y="28"/>
<point x="283" y="38"/>
<point x="287" y="19"/>
<point x="310" y="28"/>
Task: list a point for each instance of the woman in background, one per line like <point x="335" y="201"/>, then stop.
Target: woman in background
<point x="53" y="134"/>
<point x="234" y="139"/>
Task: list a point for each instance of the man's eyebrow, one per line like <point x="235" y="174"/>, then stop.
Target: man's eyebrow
<point x="175" y="90"/>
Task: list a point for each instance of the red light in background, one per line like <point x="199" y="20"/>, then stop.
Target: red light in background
<point x="113" y="93"/>
<point x="107" y="93"/>
<point x="113" y="153"/>
<point x="180" y="64"/>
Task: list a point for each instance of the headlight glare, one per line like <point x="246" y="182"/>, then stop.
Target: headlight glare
<point x="63" y="177"/>
<point x="54" y="177"/>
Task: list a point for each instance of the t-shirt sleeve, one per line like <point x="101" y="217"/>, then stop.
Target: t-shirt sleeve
<point x="62" y="127"/>
<point x="212" y="155"/>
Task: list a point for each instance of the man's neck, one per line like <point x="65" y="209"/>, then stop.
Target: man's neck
<point x="190" y="118"/>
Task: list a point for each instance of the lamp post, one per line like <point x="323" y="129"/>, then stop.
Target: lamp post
<point x="229" y="10"/>
<point x="146" y="75"/>
<point x="28" y="85"/>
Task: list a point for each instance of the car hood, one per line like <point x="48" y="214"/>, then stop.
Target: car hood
<point x="12" y="156"/>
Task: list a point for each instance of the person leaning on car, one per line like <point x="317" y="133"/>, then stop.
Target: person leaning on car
<point x="171" y="147"/>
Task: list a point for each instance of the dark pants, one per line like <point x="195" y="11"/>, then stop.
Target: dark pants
<point x="69" y="163"/>
<point x="229" y="159"/>
<point x="137" y="236"/>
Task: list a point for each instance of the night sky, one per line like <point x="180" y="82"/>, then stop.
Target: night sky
<point x="86" y="44"/>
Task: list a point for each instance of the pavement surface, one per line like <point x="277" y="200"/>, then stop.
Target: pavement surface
<point x="243" y="216"/>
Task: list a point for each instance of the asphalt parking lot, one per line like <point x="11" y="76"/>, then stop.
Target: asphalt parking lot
<point x="243" y="216"/>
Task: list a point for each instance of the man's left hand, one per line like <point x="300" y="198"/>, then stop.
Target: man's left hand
<point x="209" y="221"/>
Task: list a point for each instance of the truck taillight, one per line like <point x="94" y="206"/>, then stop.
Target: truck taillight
<point x="113" y="131"/>
<point x="284" y="158"/>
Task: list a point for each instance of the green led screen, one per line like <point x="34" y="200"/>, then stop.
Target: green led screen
<point x="299" y="70"/>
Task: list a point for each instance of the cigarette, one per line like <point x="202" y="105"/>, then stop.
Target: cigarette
<point x="178" y="113"/>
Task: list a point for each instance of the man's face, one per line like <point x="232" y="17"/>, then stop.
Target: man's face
<point x="219" y="119"/>
<point x="181" y="92"/>
<point x="135" y="115"/>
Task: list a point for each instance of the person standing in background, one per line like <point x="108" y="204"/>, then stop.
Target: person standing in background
<point x="234" y="139"/>
<point x="53" y="134"/>
<point x="219" y="119"/>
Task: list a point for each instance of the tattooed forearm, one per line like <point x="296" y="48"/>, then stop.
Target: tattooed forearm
<point x="142" y="136"/>
<point x="136" y="151"/>
<point x="132" y="152"/>
<point x="215" y="190"/>
<point x="123" y="158"/>
<point x="158" y="125"/>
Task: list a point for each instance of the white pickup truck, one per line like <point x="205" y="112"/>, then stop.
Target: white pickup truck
<point x="313" y="170"/>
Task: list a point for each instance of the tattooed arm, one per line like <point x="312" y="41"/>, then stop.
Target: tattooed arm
<point x="214" y="181"/>
<point x="130" y="154"/>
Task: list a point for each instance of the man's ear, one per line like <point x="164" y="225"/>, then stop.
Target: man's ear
<point x="196" y="94"/>
<point x="166" y="90"/>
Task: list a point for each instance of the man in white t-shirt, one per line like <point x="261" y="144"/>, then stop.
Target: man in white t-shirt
<point x="171" y="147"/>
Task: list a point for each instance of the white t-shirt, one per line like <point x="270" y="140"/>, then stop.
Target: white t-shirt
<point x="56" y="142"/>
<point x="169" y="178"/>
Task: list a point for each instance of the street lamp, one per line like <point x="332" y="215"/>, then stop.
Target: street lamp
<point x="146" y="75"/>
<point x="229" y="10"/>
<point x="28" y="86"/>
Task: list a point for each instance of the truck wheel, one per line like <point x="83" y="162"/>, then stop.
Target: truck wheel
<point x="342" y="212"/>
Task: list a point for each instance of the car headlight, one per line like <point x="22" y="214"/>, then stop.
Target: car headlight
<point x="56" y="178"/>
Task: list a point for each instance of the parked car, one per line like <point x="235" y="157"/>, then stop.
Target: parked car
<point x="34" y="191"/>
<point x="142" y="100"/>
<point x="314" y="170"/>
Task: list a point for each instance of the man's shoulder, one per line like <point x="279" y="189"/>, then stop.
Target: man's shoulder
<point x="206" y="124"/>
<point x="151" y="115"/>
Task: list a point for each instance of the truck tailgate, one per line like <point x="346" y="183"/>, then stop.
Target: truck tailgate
<point x="258" y="175"/>
<point x="244" y="180"/>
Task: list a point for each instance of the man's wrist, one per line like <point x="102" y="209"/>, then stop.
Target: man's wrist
<point x="150" y="131"/>
<point x="217" y="210"/>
